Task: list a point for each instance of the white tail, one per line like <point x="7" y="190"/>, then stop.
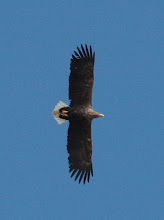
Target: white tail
<point x="56" y="112"/>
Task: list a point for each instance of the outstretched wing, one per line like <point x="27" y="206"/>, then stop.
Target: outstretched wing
<point x="81" y="77"/>
<point x="79" y="147"/>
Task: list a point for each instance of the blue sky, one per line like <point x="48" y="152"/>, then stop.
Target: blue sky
<point x="37" y="40"/>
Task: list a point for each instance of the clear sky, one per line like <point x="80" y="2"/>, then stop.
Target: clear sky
<point x="36" y="43"/>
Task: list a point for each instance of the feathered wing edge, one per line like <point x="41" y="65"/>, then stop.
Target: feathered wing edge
<point x="84" y="53"/>
<point x="85" y="171"/>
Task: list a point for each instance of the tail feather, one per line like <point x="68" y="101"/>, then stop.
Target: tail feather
<point x="56" y="112"/>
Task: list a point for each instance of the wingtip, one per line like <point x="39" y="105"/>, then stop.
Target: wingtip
<point x="87" y="52"/>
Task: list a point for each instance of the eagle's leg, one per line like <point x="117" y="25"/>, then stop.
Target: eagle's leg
<point x="60" y="112"/>
<point x="64" y="113"/>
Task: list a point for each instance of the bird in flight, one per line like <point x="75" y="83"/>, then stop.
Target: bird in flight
<point x="79" y="113"/>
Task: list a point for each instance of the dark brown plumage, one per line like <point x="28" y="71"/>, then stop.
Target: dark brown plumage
<point x="81" y="77"/>
<point x="80" y="114"/>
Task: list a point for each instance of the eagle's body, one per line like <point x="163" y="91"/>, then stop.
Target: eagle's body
<point x="80" y="113"/>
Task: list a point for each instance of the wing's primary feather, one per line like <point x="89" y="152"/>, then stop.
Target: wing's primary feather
<point x="81" y="77"/>
<point x="79" y="147"/>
